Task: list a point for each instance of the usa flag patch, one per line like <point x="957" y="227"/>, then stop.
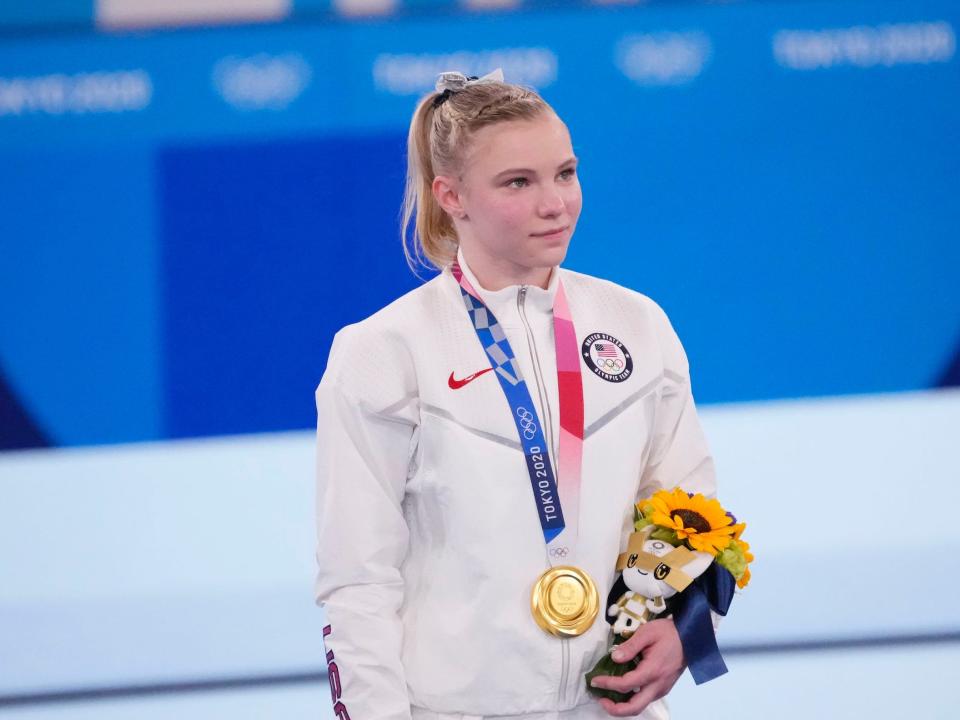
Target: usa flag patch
<point x="607" y="357"/>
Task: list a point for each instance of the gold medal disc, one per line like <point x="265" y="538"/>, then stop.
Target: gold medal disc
<point x="565" y="601"/>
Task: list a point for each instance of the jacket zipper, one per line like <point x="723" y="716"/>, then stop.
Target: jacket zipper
<point x="548" y="428"/>
<point x="538" y="372"/>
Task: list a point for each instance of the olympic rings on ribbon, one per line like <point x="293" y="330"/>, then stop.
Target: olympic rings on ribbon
<point x="527" y="425"/>
<point x="559" y="552"/>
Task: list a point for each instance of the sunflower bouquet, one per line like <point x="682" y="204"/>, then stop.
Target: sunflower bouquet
<point x="683" y="560"/>
<point x="701" y="523"/>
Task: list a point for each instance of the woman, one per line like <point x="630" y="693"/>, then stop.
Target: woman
<point x="482" y="441"/>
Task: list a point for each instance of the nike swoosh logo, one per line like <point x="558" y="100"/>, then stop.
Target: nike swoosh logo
<point x="457" y="384"/>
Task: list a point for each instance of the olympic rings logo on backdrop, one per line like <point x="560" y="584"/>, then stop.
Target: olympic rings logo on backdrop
<point x="527" y="425"/>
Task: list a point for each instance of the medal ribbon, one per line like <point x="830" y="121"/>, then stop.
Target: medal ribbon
<point x="551" y="498"/>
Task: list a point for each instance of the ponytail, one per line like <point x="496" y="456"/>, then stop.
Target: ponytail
<point x="432" y="239"/>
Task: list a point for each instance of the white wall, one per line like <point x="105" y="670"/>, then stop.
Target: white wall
<point x="194" y="560"/>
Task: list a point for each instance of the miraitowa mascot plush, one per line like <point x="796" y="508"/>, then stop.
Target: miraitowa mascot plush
<point x="657" y="571"/>
<point x="654" y="576"/>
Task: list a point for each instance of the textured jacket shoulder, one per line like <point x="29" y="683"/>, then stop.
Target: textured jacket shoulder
<point x="380" y="362"/>
<point x="371" y="361"/>
<point x="606" y="299"/>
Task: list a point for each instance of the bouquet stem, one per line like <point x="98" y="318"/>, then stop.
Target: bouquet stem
<point x="607" y="666"/>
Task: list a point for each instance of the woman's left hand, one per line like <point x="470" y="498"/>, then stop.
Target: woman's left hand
<point x="662" y="664"/>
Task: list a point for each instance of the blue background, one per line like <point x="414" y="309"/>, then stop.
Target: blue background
<point x="180" y="270"/>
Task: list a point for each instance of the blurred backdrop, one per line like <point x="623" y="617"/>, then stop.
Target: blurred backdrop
<point x="195" y="195"/>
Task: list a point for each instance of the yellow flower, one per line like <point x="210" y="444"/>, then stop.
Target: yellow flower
<point x="703" y="523"/>
<point x="748" y="556"/>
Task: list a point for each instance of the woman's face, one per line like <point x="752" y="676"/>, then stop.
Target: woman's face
<point x="519" y="195"/>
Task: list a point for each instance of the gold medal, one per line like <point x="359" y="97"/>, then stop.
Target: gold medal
<point x="565" y="601"/>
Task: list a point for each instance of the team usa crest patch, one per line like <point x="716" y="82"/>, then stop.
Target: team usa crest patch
<point x="607" y="357"/>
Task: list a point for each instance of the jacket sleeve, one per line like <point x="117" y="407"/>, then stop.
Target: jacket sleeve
<point x="679" y="455"/>
<point x="364" y="442"/>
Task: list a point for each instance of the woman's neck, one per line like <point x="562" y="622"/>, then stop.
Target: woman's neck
<point x="497" y="273"/>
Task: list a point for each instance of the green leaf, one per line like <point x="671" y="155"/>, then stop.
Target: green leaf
<point x="607" y="666"/>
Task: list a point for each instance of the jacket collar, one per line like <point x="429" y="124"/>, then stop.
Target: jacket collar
<point x="503" y="303"/>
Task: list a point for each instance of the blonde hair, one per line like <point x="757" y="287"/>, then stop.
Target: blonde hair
<point x="440" y="133"/>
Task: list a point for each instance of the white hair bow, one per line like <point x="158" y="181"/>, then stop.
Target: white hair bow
<point x="456" y="81"/>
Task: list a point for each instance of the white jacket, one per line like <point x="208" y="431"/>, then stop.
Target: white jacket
<point x="429" y="540"/>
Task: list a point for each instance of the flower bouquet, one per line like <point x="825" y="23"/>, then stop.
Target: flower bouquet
<point x="682" y="560"/>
